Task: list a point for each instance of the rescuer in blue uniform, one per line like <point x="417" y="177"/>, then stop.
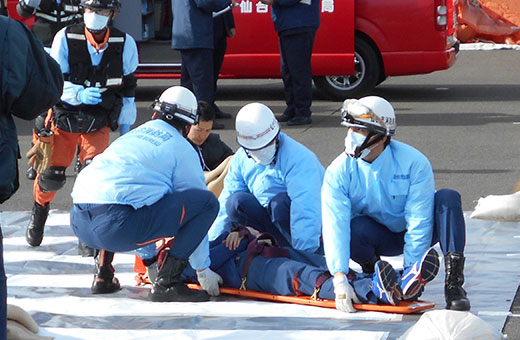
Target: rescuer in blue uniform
<point x="273" y="183"/>
<point x="379" y="198"/>
<point x="148" y="185"/>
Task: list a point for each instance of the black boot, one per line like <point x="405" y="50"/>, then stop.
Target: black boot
<point x="453" y="292"/>
<point x="369" y="267"/>
<point x="104" y="280"/>
<point x="151" y="269"/>
<point x="169" y="286"/>
<point x="34" y="232"/>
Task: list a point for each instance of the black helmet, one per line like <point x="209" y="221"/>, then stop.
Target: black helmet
<point x="101" y="4"/>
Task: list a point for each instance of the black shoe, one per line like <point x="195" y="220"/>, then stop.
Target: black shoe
<point x="31" y="173"/>
<point x="217" y="126"/>
<point x="284" y="118"/>
<point x="299" y="121"/>
<point x="178" y="292"/>
<point x="169" y="286"/>
<point x="84" y="250"/>
<point x="104" y="280"/>
<point x="222" y="115"/>
<point x="102" y="285"/>
<point x="34" y="232"/>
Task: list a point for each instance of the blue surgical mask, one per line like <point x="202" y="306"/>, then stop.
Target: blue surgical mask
<point x="94" y="21"/>
<point x="353" y="141"/>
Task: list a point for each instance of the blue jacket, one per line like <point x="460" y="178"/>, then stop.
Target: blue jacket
<point x="397" y="190"/>
<point x="193" y="22"/>
<point x="290" y="14"/>
<point x="139" y="168"/>
<point x="296" y="171"/>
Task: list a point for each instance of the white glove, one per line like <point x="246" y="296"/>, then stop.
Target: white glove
<point x="209" y="281"/>
<point x="344" y="294"/>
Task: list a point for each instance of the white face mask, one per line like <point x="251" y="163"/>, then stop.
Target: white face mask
<point x="94" y="21"/>
<point x="352" y="142"/>
<point x="264" y="156"/>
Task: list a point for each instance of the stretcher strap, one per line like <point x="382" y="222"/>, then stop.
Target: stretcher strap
<point x="319" y="282"/>
<point x="265" y="245"/>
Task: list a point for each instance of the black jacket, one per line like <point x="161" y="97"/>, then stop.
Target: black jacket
<point x="214" y="151"/>
<point x="30" y="83"/>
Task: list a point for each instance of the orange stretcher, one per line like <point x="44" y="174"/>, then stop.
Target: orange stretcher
<point x="403" y="307"/>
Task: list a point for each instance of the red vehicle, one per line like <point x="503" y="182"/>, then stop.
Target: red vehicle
<point x="358" y="45"/>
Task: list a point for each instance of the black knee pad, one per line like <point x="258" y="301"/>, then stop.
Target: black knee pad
<point x="53" y="179"/>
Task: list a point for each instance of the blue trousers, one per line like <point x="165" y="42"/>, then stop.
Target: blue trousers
<point x="296" y="70"/>
<point x="370" y="238"/>
<point x="197" y="73"/>
<point x="187" y="215"/>
<point x="243" y="209"/>
<point x="3" y="292"/>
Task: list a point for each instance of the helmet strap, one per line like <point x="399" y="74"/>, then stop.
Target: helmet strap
<point x="368" y="142"/>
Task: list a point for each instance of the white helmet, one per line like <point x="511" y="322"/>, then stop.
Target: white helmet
<point x="177" y="103"/>
<point x="372" y="113"/>
<point x="256" y="126"/>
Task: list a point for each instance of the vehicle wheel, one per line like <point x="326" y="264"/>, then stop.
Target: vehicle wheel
<point x="367" y="74"/>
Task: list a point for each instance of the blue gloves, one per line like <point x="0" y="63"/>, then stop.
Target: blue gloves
<point x="90" y="96"/>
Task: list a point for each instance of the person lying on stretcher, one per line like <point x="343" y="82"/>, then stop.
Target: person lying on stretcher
<point x="250" y="260"/>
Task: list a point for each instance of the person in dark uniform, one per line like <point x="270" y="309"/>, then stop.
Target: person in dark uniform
<point x="296" y="23"/>
<point x="50" y="16"/>
<point x="192" y="35"/>
<point x="223" y="28"/>
<point x="3" y="8"/>
<point x="250" y="260"/>
<point x="34" y="83"/>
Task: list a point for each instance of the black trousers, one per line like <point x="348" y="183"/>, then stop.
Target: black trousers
<point x="296" y="70"/>
<point x="197" y="73"/>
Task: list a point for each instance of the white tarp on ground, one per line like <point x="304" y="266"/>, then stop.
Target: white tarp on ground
<point x="487" y="47"/>
<point x="52" y="283"/>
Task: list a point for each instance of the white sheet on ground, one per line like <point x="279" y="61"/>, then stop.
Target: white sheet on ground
<point x="52" y="283"/>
